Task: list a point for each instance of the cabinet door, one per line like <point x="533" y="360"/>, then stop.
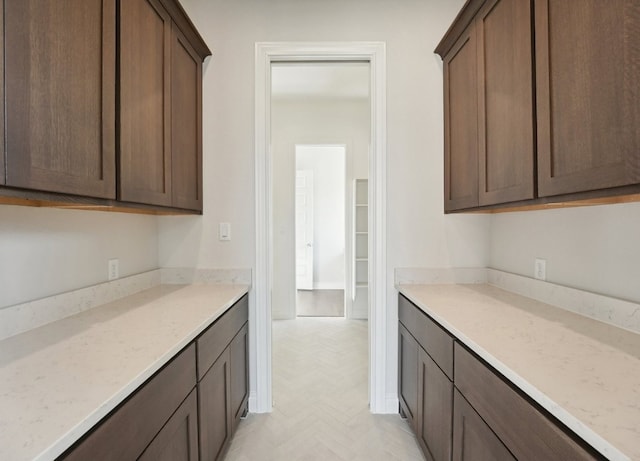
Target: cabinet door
<point x="178" y="439"/>
<point x="505" y="99"/>
<point x="435" y="399"/>
<point x="186" y="124"/>
<point x="461" y="124"/>
<point x="588" y="94"/>
<point x="145" y="103"/>
<point x="214" y="409"/>
<point x="473" y="440"/>
<point x="238" y="357"/>
<point x="60" y="96"/>
<point x="408" y="375"/>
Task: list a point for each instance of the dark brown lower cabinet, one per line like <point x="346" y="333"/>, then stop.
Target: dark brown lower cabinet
<point x="214" y="392"/>
<point x="148" y="417"/>
<point x="223" y="389"/>
<point x="478" y="415"/>
<point x="473" y="439"/>
<point x="435" y="400"/>
<point x="408" y="374"/>
<point x="238" y="356"/>
<point x="425" y="391"/>
<point x="178" y="439"/>
<point x="181" y="414"/>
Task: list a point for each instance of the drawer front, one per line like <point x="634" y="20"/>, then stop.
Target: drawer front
<point x="217" y="337"/>
<point x="527" y="432"/>
<point x="431" y="336"/>
<point x="126" y="433"/>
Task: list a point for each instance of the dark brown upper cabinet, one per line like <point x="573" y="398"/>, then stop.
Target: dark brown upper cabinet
<point x="90" y="84"/>
<point x="558" y="103"/>
<point x="588" y="95"/>
<point x="505" y="102"/>
<point x="461" y="124"/>
<point x="488" y="106"/>
<point x="186" y="123"/>
<point x="145" y="102"/>
<point x="59" y="83"/>
<point x="160" y="109"/>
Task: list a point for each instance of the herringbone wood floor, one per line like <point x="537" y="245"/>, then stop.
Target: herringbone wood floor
<point x="320" y="401"/>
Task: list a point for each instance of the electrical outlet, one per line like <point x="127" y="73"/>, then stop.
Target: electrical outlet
<point x="114" y="269"/>
<point x="540" y="269"/>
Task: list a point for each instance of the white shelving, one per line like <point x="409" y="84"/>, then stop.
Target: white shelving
<point x="361" y="248"/>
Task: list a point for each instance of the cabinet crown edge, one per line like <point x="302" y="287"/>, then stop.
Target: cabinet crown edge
<point x="460" y="23"/>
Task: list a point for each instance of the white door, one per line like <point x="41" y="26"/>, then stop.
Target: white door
<point x="304" y="230"/>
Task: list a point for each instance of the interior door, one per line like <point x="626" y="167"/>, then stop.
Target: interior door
<point x="304" y="230"/>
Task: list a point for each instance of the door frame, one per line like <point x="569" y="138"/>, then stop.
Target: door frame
<point x="261" y="397"/>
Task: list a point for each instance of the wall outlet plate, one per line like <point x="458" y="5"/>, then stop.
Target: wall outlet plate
<point x="114" y="269"/>
<point x="540" y="269"/>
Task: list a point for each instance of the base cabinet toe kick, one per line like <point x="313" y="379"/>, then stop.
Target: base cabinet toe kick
<point x="460" y="408"/>
<point x="189" y="410"/>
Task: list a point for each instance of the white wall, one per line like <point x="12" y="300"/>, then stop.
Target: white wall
<point x="47" y="251"/>
<point x="419" y="235"/>
<point x="309" y="121"/>
<point x="329" y="184"/>
<point x="591" y="248"/>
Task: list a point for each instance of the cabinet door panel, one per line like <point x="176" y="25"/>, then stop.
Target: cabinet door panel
<point x="505" y="90"/>
<point x="186" y="124"/>
<point x="238" y="356"/>
<point x="461" y="124"/>
<point x="214" y="409"/>
<point x="408" y="375"/>
<point x="2" y="107"/>
<point x="473" y="440"/>
<point x="435" y="399"/>
<point x="588" y="94"/>
<point x="60" y="88"/>
<point x="178" y="439"/>
<point x="145" y="103"/>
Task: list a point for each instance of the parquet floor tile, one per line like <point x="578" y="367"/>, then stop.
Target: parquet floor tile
<point x="320" y="396"/>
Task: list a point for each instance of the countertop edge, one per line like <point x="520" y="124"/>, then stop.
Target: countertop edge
<point x="77" y="432"/>
<point x="588" y="435"/>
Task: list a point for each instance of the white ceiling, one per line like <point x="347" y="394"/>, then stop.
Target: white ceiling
<point x="320" y="79"/>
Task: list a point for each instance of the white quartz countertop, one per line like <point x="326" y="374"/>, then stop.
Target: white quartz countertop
<point x="584" y="372"/>
<point x="59" y="380"/>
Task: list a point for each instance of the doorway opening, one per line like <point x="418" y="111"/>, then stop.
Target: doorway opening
<point x="320" y="231"/>
<point x="265" y="301"/>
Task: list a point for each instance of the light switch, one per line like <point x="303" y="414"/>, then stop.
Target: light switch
<point x="224" y="231"/>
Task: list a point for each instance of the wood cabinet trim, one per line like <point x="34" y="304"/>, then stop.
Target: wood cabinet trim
<point x="185" y="25"/>
<point x="457" y="28"/>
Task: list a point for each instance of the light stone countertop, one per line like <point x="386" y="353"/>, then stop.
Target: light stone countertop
<point x="59" y="380"/>
<point x="584" y="372"/>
